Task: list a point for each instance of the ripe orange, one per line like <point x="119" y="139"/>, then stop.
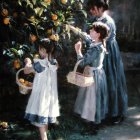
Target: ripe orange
<point x="6" y="21"/>
<point x="26" y="83"/>
<point x="21" y="80"/>
<point x="54" y="17"/>
<point x="4" y="124"/>
<point x="47" y="1"/>
<point x="29" y="84"/>
<point x="17" y="63"/>
<point x="64" y="1"/>
<point x="54" y="37"/>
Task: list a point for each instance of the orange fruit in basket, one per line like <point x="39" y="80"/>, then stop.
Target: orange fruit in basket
<point x="29" y="84"/>
<point x="26" y="83"/>
<point x="21" y="80"/>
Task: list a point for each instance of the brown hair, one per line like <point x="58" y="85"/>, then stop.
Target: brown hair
<point x="47" y="45"/>
<point x="98" y="3"/>
<point x="103" y="29"/>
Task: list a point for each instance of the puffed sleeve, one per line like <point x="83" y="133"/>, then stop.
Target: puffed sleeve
<point x="53" y="65"/>
<point x="90" y="56"/>
<point x="37" y="67"/>
<point x="53" y="62"/>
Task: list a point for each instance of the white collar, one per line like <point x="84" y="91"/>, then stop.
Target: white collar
<point x="95" y="44"/>
<point x="102" y="17"/>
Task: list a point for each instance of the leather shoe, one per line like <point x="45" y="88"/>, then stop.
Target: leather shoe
<point x="117" y="120"/>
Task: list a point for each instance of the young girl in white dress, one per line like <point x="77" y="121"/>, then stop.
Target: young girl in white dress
<point x="43" y="105"/>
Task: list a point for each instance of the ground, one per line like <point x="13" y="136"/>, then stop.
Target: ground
<point x="69" y="126"/>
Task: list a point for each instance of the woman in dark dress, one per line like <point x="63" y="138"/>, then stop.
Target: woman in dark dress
<point x="113" y="65"/>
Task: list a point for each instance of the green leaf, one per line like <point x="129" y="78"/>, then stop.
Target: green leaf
<point x="31" y="5"/>
<point x="44" y="4"/>
<point x="72" y="1"/>
<point x="40" y="11"/>
<point x="34" y="2"/>
<point x="28" y="2"/>
<point x="83" y="12"/>
<point x="19" y="2"/>
<point x="20" y="53"/>
<point x="14" y="51"/>
<point x="70" y="20"/>
<point x="37" y="10"/>
<point x="33" y="20"/>
<point x="69" y="35"/>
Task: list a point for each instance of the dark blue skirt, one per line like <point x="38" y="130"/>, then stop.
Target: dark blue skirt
<point x="40" y="120"/>
<point x="101" y="96"/>
<point x="116" y="82"/>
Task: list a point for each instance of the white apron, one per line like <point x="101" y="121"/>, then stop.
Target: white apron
<point x="44" y="96"/>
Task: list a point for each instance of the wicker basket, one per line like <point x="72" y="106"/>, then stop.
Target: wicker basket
<point x="79" y="79"/>
<point x="23" y="89"/>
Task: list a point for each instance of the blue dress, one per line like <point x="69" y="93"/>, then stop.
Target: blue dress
<point x="91" y="102"/>
<point x="113" y="65"/>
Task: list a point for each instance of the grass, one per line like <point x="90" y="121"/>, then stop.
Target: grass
<point x="12" y="111"/>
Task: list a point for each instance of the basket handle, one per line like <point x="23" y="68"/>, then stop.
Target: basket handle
<point x="17" y="80"/>
<point x="76" y="65"/>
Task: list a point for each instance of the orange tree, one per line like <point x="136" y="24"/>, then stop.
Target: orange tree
<point x="24" y="21"/>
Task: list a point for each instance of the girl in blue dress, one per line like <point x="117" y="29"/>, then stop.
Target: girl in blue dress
<point x="117" y="90"/>
<point x="91" y="102"/>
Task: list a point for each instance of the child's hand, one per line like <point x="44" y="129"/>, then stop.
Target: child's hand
<point x="28" y="66"/>
<point x="27" y="61"/>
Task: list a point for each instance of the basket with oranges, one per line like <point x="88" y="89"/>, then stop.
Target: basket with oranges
<point x="24" y="85"/>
